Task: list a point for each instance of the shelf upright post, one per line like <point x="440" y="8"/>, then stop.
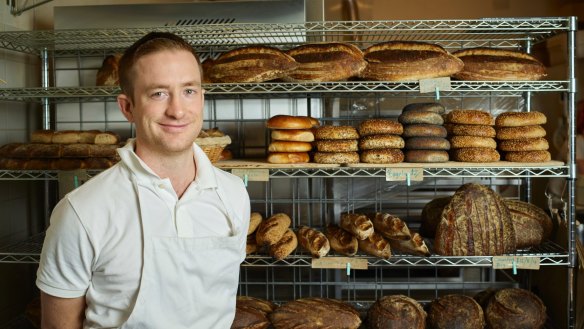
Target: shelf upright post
<point x="46" y="124"/>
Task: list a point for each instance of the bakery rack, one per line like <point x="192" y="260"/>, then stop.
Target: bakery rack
<point x="79" y="53"/>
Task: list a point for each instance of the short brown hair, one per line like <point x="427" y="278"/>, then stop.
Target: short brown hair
<point x="148" y="44"/>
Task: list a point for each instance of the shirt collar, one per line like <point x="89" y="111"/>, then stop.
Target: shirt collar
<point x="205" y="177"/>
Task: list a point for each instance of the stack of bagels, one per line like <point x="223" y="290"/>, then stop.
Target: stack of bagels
<point x="291" y="138"/>
<point x="424" y="133"/>
<point x="380" y="141"/>
<point x="472" y="136"/>
<point x="336" y="144"/>
<point x="521" y="137"/>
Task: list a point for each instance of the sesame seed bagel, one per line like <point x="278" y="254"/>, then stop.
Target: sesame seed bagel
<point x="528" y="156"/>
<point x="336" y="132"/>
<point x="475" y="154"/>
<point x="516" y="119"/>
<point x="337" y="145"/>
<point x="470" y="117"/>
<point x="336" y="157"/>
<point x="380" y="126"/>
<point x="523" y="132"/>
<point x="375" y="142"/>
<point x="382" y="156"/>
<point x="470" y="130"/>
<point x="529" y="144"/>
<point x="457" y="142"/>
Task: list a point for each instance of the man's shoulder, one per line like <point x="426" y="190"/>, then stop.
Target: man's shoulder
<point x="108" y="182"/>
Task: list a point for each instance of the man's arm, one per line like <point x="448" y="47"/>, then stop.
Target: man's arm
<point x="62" y="313"/>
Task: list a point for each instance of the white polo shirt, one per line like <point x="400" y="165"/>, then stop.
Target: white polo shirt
<point x="93" y="246"/>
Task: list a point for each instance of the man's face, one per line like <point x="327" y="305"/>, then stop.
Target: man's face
<point x="167" y="108"/>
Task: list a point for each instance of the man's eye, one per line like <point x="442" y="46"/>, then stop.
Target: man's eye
<point x="190" y="91"/>
<point x="157" y="94"/>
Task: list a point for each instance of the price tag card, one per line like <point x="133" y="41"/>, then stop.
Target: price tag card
<point x="70" y="180"/>
<point x="430" y="85"/>
<point x="340" y="263"/>
<point x="521" y="262"/>
<point x="403" y="174"/>
<point x="253" y="175"/>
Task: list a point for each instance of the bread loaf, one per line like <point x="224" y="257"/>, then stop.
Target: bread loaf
<point x="431" y="215"/>
<point x="272" y="229"/>
<point x="285" y="246"/>
<point x="515" y="308"/>
<point x="319" y="62"/>
<point x="455" y="311"/>
<point x="476" y="222"/>
<point x="391" y="227"/>
<point x="413" y="246"/>
<point x="255" y="219"/>
<point x="315" y="312"/>
<point x="65" y="137"/>
<point x="251" y="64"/>
<point x="376" y="245"/>
<point x="252" y="313"/>
<point x="396" y="312"/>
<point x="498" y="64"/>
<point x="259" y="304"/>
<point x="357" y="224"/>
<point x="313" y="241"/>
<point x="342" y="241"/>
<point x="407" y="61"/>
<point x="107" y="75"/>
<point x="525" y="211"/>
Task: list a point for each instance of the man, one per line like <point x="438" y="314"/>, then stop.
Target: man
<point x="155" y="241"/>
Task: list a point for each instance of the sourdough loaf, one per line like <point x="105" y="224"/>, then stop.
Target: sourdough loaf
<point x="357" y="224"/>
<point x="455" y="311"/>
<point x="315" y="312"/>
<point x="342" y="241"/>
<point x="525" y="211"/>
<point x="376" y="245"/>
<point x="272" y="229"/>
<point x="252" y="313"/>
<point x="313" y="241"/>
<point x="396" y="312"/>
<point x="285" y="246"/>
<point x="390" y="226"/>
<point x="515" y="308"/>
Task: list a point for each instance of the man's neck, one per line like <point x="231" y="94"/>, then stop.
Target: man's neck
<point x="180" y="168"/>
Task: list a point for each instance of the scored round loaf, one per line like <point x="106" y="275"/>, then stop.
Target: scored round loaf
<point x="313" y="241"/>
<point x="379" y="127"/>
<point x="293" y="135"/>
<point x="427" y="143"/>
<point x="382" y="156"/>
<point x="285" y="246"/>
<point x="528" y="156"/>
<point x="336" y="157"/>
<point x="311" y="311"/>
<point x="336" y="132"/>
<point x="337" y="145"/>
<point x="518" y="119"/>
<point x="396" y="312"/>
<point x="424" y="130"/>
<point x="342" y="241"/>
<point x="416" y="117"/>
<point x="426" y="156"/>
<point x="475" y="154"/>
<point x="457" y="142"/>
<point x="523" y="132"/>
<point x="263" y="305"/>
<point x="470" y="117"/>
<point x="431" y="107"/>
<point x="374" y="142"/>
<point x="282" y="121"/>
<point x="288" y="157"/>
<point x="515" y="308"/>
<point x="454" y="129"/>
<point x="287" y="146"/>
<point x="528" y="144"/>
<point x="357" y="224"/>
<point x="272" y="229"/>
<point x="455" y="311"/>
<point x="255" y="219"/>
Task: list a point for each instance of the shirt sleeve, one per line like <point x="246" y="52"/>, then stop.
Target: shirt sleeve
<point x="67" y="255"/>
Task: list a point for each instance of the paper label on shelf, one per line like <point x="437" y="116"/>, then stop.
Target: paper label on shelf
<point x="403" y="174"/>
<point x="431" y="85"/>
<point x="252" y="175"/>
<point x="70" y="180"/>
<point x="340" y="263"/>
<point x="521" y="262"/>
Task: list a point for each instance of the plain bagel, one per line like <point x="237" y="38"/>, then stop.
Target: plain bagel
<point x="426" y="156"/>
<point x="289" y="122"/>
<point x="424" y="130"/>
<point x="286" y="146"/>
<point x="293" y="135"/>
<point x="427" y="143"/>
<point x="288" y="157"/>
<point x="427" y="117"/>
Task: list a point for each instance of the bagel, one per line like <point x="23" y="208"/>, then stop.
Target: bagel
<point x="470" y="117"/>
<point x="424" y="130"/>
<point x="475" y="154"/>
<point x="289" y="122"/>
<point x="528" y="156"/>
<point x="382" y="156"/>
<point x="429" y="107"/>
<point x="457" y="142"/>
<point x="335" y="132"/>
<point x="336" y="157"/>
<point x="288" y="157"/>
<point x="529" y="144"/>
<point x="380" y="126"/>
<point x="293" y="135"/>
<point x="518" y="119"/>
<point x="470" y="130"/>
<point x="286" y="146"/>
<point x="427" y="143"/>
<point x="337" y="145"/>
<point x="523" y="132"/>
<point x="413" y="117"/>
<point x="373" y="142"/>
<point x="426" y="156"/>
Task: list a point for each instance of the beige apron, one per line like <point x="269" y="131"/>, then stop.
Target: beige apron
<point x="183" y="283"/>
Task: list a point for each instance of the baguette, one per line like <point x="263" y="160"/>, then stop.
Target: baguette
<point x="313" y="241"/>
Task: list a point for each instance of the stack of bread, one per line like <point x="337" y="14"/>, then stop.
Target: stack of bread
<point x="472" y="136"/>
<point x="276" y="235"/>
<point x="336" y="144"/>
<point x="291" y="138"/>
<point x="424" y="133"/>
<point x="521" y="136"/>
<point x="380" y="141"/>
<point x="62" y="150"/>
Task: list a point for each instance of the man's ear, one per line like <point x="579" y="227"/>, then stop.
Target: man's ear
<point x="125" y="105"/>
